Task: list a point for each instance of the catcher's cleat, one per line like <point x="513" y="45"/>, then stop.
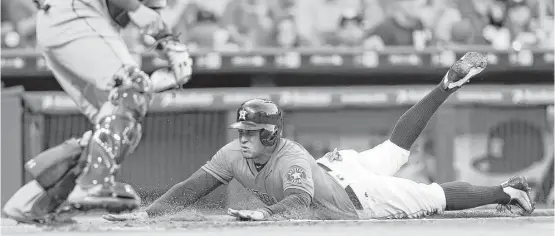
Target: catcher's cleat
<point x="113" y="198"/>
<point x="519" y="191"/>
<point x="463" y="70"/>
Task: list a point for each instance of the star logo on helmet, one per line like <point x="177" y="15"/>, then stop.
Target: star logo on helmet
<point x="242" y="115"/>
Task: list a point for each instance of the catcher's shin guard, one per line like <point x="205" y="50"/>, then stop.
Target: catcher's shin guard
<point x="116" y="134"/>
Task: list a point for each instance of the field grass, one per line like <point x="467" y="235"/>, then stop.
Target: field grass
<point x="471" y="222"/>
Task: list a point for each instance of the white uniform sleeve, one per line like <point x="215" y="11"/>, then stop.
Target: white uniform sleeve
<point x="384" y="159"/>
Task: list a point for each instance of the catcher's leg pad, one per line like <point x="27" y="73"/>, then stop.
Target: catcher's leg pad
<point x="116" y="135"/>
<point x="117" y="131"/>
<point x="51" y="165"/>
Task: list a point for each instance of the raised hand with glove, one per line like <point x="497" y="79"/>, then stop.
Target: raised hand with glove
<point x="156" y="34"/>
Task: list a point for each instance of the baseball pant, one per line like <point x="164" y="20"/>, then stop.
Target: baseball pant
<point x="84" y="50"/>
<point x="384" y="196"/>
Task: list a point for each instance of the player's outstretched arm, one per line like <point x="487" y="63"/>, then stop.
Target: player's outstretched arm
<point x="176" y="198"/>
<point x="183" y="194"/>
<point x="296" y="201"/>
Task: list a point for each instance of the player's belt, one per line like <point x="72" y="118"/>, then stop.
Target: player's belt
<point x="350" y="192"/>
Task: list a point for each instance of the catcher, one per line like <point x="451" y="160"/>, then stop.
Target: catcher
<point x="81" y="44"/>
<point x="343" y="184"/>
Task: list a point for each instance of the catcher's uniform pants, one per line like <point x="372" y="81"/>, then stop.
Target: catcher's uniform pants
<point x="83" y="48"/>
<point x="380" y="195"/>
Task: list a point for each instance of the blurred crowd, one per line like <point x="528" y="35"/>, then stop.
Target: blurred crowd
<point x="372" y="24"/>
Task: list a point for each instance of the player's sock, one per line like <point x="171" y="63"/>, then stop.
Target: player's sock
<point x="413" y="121"/>
<point x="461" y="195"/>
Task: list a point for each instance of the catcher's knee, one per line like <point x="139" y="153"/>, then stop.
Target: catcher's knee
<point x="132" y="93"/>
<point x="30" y="204"/>
<point x="48" y="167"/>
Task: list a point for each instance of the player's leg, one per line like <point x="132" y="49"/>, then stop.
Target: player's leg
<point x="90" y="58"/>
<point x="54" y="172"/>
<point x="412" y="122"/>
<point x="515" y="191"/>
<point x="87" y="73"/>
<point x="108" y="67"/>
<point x="388" y="157"/>
<point x="391" y="197"/>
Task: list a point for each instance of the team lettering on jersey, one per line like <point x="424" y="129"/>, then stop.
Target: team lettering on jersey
<point x="264" y="197"/>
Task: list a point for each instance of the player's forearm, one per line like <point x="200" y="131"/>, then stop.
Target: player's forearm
<point x="127" y="5"/>
<point x="184" y="194"/>
<point x="295" y="202"/>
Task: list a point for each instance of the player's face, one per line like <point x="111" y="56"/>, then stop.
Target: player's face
<point x="251" y="147"/>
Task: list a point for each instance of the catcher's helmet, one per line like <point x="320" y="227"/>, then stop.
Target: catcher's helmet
<point x="263" y="115"/>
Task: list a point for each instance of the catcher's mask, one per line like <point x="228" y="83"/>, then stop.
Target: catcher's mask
<point x="263" y="115"/>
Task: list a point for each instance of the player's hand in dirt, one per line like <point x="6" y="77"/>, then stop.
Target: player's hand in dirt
<point x="247" y="214"/>
<point x="140" y="215"/>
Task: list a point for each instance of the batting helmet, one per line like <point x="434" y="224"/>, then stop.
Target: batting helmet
<point x="263" y="115"/>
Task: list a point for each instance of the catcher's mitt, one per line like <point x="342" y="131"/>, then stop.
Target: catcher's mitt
<point x="180" y="63"/>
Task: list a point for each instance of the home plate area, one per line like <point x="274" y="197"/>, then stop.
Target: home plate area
<point x="470" y="222"/>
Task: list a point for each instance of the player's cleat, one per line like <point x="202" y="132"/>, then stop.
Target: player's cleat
<point x="471" y="64"/>
<point x="112" y="197"/>
<point x="519" y="191"/>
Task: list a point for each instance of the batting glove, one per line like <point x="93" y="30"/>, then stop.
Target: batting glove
<point x="140" y="215"/>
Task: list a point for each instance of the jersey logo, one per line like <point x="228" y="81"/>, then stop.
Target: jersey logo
<point x="242" y="115"/>
<point x="264" y="197"/>
<point x="296" y="175"/>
